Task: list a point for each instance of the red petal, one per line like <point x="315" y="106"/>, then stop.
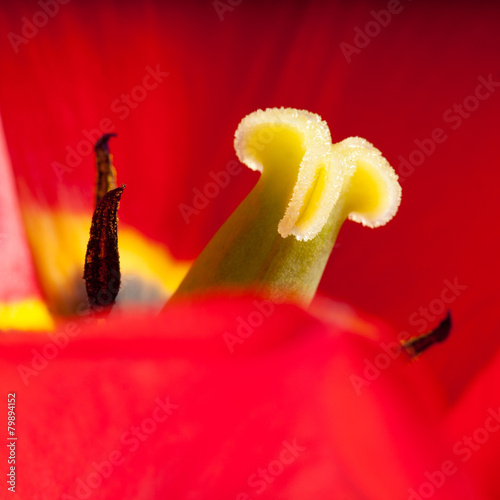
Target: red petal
<point x="95" y="396"/>
<point x="473" y="428"/>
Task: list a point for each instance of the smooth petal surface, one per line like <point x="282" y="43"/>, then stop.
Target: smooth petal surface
<point x="143" y="408"/>
<point x="473" y="428"/>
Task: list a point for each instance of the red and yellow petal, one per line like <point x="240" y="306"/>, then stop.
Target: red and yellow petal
<point x="21" y="304"/>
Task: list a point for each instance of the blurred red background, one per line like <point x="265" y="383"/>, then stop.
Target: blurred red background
<point x="224" y="59"/>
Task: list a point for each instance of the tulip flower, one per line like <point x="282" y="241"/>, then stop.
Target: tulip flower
<point x="227" y="393"/>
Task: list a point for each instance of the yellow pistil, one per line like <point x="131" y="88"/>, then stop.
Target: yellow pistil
<point x="277" y="242"/>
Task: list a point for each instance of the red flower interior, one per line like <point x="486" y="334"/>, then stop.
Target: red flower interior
<point x="173" y="80"/>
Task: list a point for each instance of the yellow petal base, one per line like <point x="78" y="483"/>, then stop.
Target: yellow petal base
<point x="25" y="315"/>
<point x="150" y="274"/>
